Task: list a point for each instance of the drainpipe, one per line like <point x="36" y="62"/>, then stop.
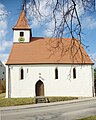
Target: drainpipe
<point x="93" y="87"/>
<point x="9" y="82"/>
<point x="6" y="81"/>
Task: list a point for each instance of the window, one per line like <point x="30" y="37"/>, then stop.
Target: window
<point x="21" y="74"/>
<point x="56" y="73"/>
<point x="74" y="73"/>
<point x="27" y="70"/>
<point x="3" y="72"/>
<point x="21" y="34"/>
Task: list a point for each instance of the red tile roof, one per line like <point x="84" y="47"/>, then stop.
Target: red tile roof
<point x="22" y="22"/>
<point x="45" y="50"/>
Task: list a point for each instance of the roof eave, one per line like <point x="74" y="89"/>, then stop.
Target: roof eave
<point x="21" y="28"/>
<point x="49" y="63"/>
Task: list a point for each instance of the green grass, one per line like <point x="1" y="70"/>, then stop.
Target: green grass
<point x="25" y="101"/>
<point x="57" y="99"/>
<point x="89" y="118"/>
<point x="14" y="101"/>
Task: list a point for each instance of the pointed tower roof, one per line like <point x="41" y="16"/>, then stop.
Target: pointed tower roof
<point x="22" y="22"/>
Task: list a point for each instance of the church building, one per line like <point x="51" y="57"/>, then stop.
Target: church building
<point x="34" y="68"/>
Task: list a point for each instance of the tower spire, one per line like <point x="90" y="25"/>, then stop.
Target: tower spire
<point x="24" y="5"/>
<point x="22" y="22"/>
<point x="22" y="31"/>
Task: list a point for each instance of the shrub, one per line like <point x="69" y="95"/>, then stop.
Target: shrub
<point x="2" y="86"/>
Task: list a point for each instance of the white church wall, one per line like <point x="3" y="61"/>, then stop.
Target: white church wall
<point x="7" y="81"/>
<point x="65" y="85"/>
<point x="17" y="35"/>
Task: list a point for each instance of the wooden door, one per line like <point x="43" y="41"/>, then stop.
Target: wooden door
<point x="39" y="88"/>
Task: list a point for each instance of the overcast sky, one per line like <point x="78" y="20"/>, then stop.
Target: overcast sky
<point x="13" y="8"/>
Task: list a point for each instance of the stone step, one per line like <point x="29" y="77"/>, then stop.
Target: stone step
<point x="41" y="99"/>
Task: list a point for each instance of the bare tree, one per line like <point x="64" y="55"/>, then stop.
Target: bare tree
<point x="67" y="10"/>
<point x="66" y="19"/>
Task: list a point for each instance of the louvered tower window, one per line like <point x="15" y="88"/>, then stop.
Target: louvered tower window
<point x="21" y="34"/>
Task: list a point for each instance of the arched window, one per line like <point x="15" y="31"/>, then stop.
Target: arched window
<point x="74" y="73"/>
<point x="21" y="74"/>
<point x="56" y="73"/>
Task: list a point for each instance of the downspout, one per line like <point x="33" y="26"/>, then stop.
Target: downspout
<point x="93" y="87"/>
<point x="9" y="82"/>
<point x="6" y="81"/>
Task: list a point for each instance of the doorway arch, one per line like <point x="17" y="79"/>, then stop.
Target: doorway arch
<point x="39" y="88"/>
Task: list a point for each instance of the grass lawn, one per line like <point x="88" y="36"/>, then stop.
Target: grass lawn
<point x="14" y="101"/>
<point x="25" y="101"/>
<point x="89" y="118"/>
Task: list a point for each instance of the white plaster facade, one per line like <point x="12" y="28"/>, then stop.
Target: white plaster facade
<point x="65" y="85"/>
<point x="2" y="71"/>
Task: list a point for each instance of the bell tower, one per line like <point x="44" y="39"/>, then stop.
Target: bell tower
<point x="22" y="31"/>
